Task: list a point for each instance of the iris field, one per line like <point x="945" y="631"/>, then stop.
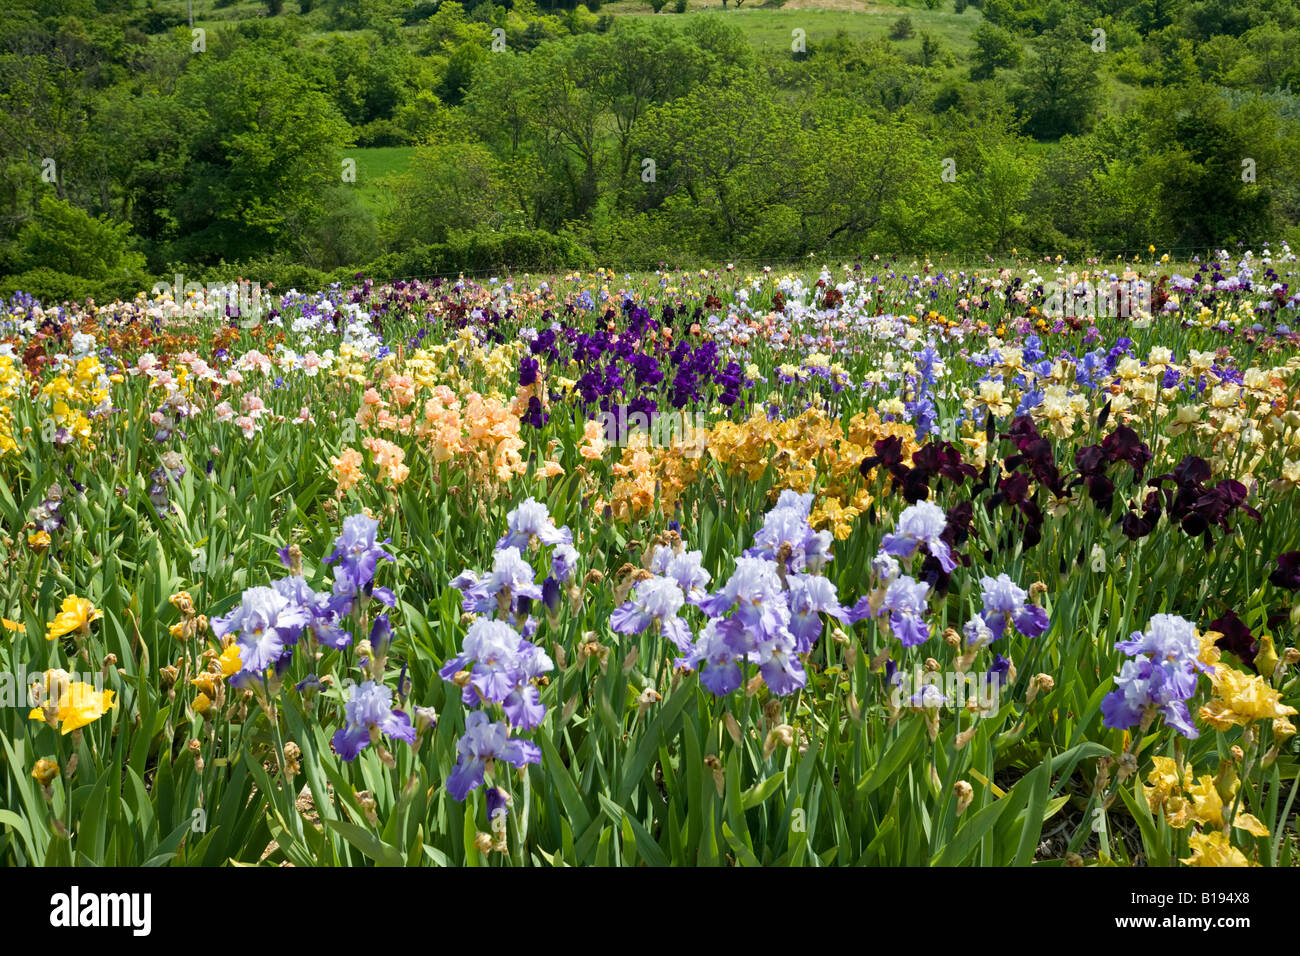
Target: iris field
<point x="869" y="563"/>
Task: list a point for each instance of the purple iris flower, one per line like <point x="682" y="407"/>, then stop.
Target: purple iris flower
<point x="265" y="623"/>
<point x="905" y="602"/>
<point x="482" y="742"/>
<point x="778" y="661"/>
<point x="498" y="802"/>
<point x="358" y="552"/>
<point x="921" y="524"/>
<point x="1143" y="686"/>
<point x="504" y="666"/>
<point x="531" y="519"/>
<point x="754" y="592"/>
<point x="381" y="634"/>
<point x="809" y="596"/>
<point x="684" y="568"/>
<point x="999" y="673"/>
<point x="1160" y="678"/>
<point x="977" y="633"/>
<point x="1004" y="601"/>
<point x="885" y="566"/>
<point x="715" y="656"/>
<point x="1168" y="637"/>
<point x="370" y="713"/>
<point x="324" y="614"/>
<point x="787" y="535"/>
<point x="511" y="576"/>
<point x="654" y="600"/>
<point x="563" y="561"/>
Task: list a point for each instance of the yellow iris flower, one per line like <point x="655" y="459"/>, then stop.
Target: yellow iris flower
<point x="79" y="704"/>
<point x="1213" y="849"/>
<point x="75" y="615"/>
<point x="1241" y="699"/>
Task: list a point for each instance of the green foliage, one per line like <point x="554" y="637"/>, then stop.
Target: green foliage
<point x="448" y="184"/>
<point x="1061" y="89"/>
<point x="902" y="29"/>
<point x="233" y="154"/>
<point x="995" y="48"/>
<point x="261" y="157"/>
<point x="62" y="238"/>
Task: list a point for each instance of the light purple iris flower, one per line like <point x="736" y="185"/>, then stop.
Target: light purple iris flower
<point x="920" y="524"/>
<point x="265" y="624"/>
<point x="717" y="655"/>
<point x="754" y="594"/>
<point x="786" y="532"/>
<point x="484" y="741"/>
<point x="684" y="568"/>
<point x="531" y="519"/>
<point x="358" y="553"/>
<point x="655" y="600"/>
<point x="1159" y="680"/>
<point x="370" y="713"/>
<point x="905" y="602"/>
<point x="1005" y="602"/>
<point x="810" y="596"/>
<point x="503" y="667"/>
<point x="563" y="561"/>
<point x="510" y="574"/>
<point x="324" y="616"/>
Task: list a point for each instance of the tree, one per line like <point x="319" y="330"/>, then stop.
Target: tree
<point x="929" y="50"/>
<point x="726" y="155"/>
<point x="63" y="238"/>
<point x="1060" y="88"/>
<point x="449" y="186"/>
<point x="262" y="151"/>
<point x="995" y="49"/>
<point x="994" y="175"/>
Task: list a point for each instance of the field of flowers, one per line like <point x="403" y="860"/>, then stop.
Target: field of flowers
<point x="874" y="564"/>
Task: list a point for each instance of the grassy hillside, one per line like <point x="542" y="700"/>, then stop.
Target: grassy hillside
<point x="769" y="25"/>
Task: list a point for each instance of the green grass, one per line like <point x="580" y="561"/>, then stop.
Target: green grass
<point x="769" y="25"/>
<point x="376" y="167"/>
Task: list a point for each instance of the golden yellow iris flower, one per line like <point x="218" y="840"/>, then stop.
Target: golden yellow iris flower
<point x="79" y="704"/>
<point x="1241" y="699"/>
<point x="230" y="662"/>
<point x="1213" y="849"/>
<point x="75" y="615"/>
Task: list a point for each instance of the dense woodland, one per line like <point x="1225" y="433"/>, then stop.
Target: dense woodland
<point x="630" y="135"/>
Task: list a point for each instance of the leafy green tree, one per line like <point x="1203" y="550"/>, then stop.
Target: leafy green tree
<point x="449" y="186"/>
<point x="995" y="49"/>
<point x="930" y="50"/>
<point x="1197" y="147"/>
<point x="902" y="28"/>
<point x="723" y="156"/>
<point x="63" y="238"/>
<point x="994" y="174"/>
<point x="1061" y="89"/>
<point x="638" y="66"/>
<point x="262" y="152"/>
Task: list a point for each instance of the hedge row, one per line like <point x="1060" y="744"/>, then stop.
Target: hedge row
<point x="469" y="253"/>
